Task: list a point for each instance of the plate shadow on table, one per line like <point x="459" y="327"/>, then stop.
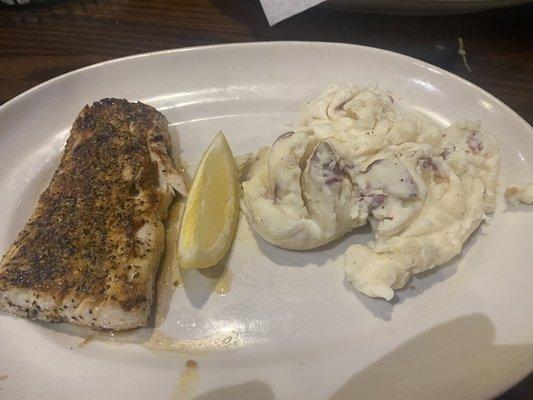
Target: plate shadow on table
<point x="444" y="362"/>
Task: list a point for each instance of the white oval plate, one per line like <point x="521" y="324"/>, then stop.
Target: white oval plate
<point x="290" y="327"/>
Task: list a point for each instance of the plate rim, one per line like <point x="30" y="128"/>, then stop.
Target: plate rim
<point x="280" y="43"/>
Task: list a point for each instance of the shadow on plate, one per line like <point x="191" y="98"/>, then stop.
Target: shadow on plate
<point x="519" y="208"/>
<point x="320" y="256"/>
<point x="86" y="334"/>
<point x="445" y="362"/>
<point x="255" y="390"/>
<point x="199" y="284"/>
<point x="417" y="285"/>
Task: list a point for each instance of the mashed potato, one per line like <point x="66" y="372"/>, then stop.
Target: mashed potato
<point x="519" y="194"/>
<point x="354" y="160"/>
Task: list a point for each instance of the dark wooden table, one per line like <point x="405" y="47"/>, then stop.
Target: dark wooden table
<point x="43" y="41"/>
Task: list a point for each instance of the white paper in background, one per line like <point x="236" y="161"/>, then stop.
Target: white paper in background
<point x="278" y="10"/>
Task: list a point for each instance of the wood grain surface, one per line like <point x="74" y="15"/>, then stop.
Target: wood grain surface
<point x="42" y="41"/>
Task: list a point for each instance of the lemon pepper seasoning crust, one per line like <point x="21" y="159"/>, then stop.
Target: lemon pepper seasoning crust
<point x="83" y="243"/>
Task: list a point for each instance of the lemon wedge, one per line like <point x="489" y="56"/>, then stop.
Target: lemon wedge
<point x="210" y="216"/>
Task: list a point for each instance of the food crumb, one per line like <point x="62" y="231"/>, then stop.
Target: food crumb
<point x="462" y="52"/>
<point x="515" y="195"/>
<point x="85" y="341"/>
<point x="412" y="287"/>
<point x="3" y="377"/>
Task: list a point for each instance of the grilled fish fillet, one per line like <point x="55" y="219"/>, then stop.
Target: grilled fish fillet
<point x="90" y="251"/>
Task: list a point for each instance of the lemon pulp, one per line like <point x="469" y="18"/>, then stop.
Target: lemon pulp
<point x="212" y="208"/>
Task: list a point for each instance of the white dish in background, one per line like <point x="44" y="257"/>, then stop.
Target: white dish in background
<point x="422" y="7"/>
<point x="289" y="328"/>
